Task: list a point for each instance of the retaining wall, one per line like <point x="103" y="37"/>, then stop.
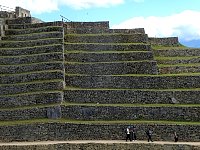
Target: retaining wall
<point x="69" y="131"/>
<point x="107" y="47"/>
<point x="30" y="99"/>
<point x="131" y="113"/>
<point x="133" y="82"/>
<point x="132" y="96"/>
<point x="143" y="67"/>
<point x="170" y="41"/>
<point x="107" y="38"/>
<point x="108" y="57"/>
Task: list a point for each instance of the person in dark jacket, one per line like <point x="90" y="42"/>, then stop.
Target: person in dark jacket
<point x="128" y="135"/>
<point x="149" y="133"/>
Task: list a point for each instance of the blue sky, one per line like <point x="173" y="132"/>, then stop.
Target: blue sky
<point x="160" y="18"/>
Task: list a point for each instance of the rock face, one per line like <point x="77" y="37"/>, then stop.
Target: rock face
<point x="82" y="80"/>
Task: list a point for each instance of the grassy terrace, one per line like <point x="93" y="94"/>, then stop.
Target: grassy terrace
<point x="103" y="34"/>
<point x="103" y="89"/>
<point x="157" y="47"/>
<point x="99" y="105"/>
<point x="108" y="43"/>
<point x="180" y="65"/>
<point x="102" y="52"/>
<point x="140" y="75"/>
<point x="125" y="122"/>
<point x="176" y="58"/>
<point x="67" y="62"/>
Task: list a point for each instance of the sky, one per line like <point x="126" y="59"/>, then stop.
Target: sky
<point x="159" y="18"/>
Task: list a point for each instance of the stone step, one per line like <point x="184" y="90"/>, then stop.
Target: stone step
<point x="34" y="30"/>
<point x="38" y="86"/>
<point x="103" y="112"/>
<point x="107" y="130"/>
<point x="111" y="56"/>
<point x="35" y="36"/>
<point x="181" y="52"/>
<point x="32" y="43"/>
<point x="30" y="77"/>
<point x="133" y="81"/>
<point x="129" y="96"/>
<point x="34" y="25"/>
<point x="31" y="50"/>
<point x="16" y="69"/>
<point x="30" y="99"/>
<point x="112" y="68"/>
<point x="106" y="38"/>
<point x="95" y="47"/>
<point x="27" y="59"/>
<point x="177" y="69"/>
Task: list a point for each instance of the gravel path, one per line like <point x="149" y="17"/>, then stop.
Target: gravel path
<point x="96" y="141"/>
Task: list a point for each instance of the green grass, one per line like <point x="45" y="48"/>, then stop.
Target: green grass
<point x="112" y="62"/>
<point x="98" y="105"/>
<point x="177" y="58"/>
<point x="102" y="34"/>
<point x="139" y="75"/>
<point x="161" y="47"/>
<point x="107" y="43"/>
<point x="180" y="65"/>
<point x="106" y="122"/>
<point x="102" y="52"/>
<point x="115" y="89"/>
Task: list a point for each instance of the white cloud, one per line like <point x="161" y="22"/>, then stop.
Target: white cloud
<point x="40" y="6"/>
<point x="185" y="25"/>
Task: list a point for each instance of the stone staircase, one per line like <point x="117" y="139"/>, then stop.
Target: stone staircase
<point x="91" y="83"/>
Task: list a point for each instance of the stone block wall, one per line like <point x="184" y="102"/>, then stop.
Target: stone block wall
<point x="70" y="131"/>
<point x="133" y="82"/>
<point x="143" y="67"/>
<point x="108" y="57"/>
<point x="131" y="113"/>
<point x="132" y="96"/>
<point x="170" y="41"/>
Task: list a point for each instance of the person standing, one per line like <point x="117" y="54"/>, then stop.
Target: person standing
<point x="128" y="136"/>
<point x="134" y="133"/>
<point x="175" y="137"/>
<point x="149" y="133"/>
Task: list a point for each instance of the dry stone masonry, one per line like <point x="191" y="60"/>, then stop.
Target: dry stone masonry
<point x="81" y="80"/>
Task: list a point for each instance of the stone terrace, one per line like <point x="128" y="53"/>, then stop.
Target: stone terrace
<point x="84" y="81"/>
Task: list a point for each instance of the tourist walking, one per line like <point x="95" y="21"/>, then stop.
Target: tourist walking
<point x="128" y="136"/>
<point x="175" y="137"/>
<point x="134" y="133"/>
<point x="149" y="133"/>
